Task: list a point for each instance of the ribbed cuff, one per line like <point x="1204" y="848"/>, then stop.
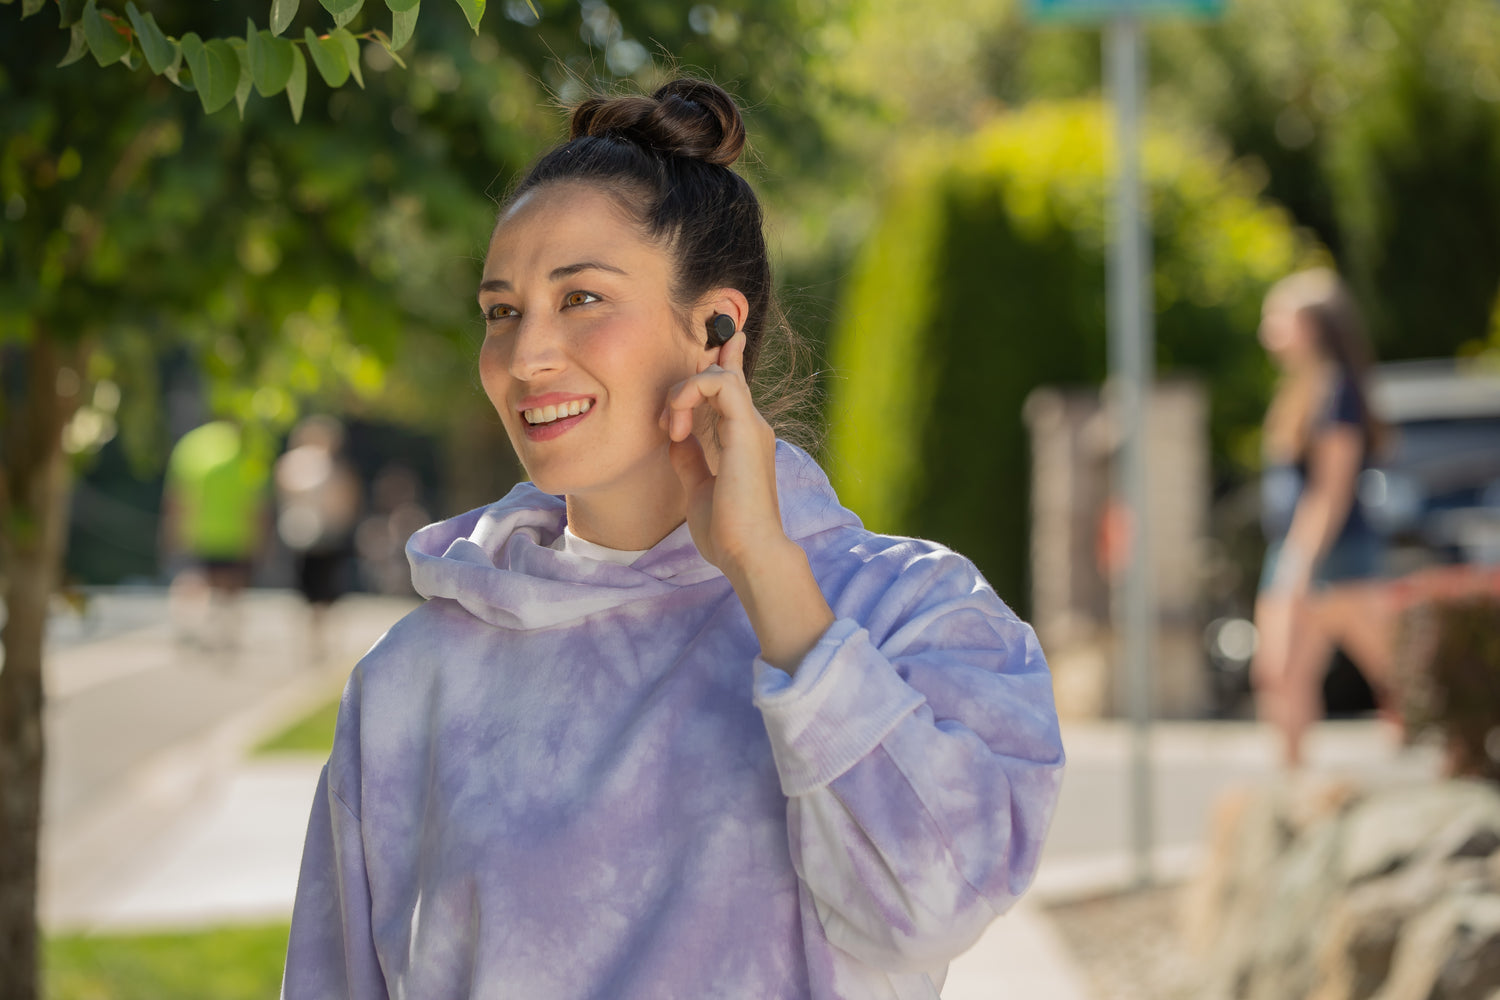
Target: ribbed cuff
<point x="842" y="702"/>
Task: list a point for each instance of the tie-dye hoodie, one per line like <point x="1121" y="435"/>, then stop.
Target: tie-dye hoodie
<point x="562" y="778"/>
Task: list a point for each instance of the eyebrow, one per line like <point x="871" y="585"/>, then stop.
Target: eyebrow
<point x="556" y="274"/>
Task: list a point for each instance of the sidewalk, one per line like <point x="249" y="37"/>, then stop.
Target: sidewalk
<point x="146" y="736"/>
<point x="196" y="833"/>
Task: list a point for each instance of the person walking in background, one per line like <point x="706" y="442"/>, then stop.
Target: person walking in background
<point x="671" y="722"/>
<point x="214" y="519"/>
<point x="396" y="512"/>
<point x="1319" y="433"/>
<point x="318" y="500"/>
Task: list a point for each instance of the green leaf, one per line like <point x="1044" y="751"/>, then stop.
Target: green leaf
<point x="403" y="23"/>
<point x="68" y="12"/>
<point x="282" y="12"/>
<point x="173" y="71"/>
<point x="350" y="45"/>
<point x="296" y="87"/>
<point x="242" y="87"/>
<point x="78" y="45"/>
<point x="473" y="10"/>
<point x="107" y="44"/>
<point x="29" y="7"/>
<point x="154" y="44"/>
<point x="343" y="11"/>
<point x="385" y="42"/>
<point x="401" y="6"/>
<point x="216" y="70"/>
<point x="270" y="61"/>
<point x="328" y="56"/>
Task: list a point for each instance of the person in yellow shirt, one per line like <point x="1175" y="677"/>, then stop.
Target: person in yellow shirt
<point x="214" y="515"/>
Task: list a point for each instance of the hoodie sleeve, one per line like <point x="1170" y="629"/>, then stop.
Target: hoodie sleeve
<point x="919" y="750"/>
<point x="331" y="951"/>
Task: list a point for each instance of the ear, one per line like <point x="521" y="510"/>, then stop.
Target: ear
<point x="729" y="301"/>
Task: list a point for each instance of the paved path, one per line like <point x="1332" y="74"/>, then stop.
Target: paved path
<point x="157" y="819"/>
<point x="145" y="733"/>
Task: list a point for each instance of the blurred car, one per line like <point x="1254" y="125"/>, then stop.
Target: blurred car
<point x="1433" y="497"/>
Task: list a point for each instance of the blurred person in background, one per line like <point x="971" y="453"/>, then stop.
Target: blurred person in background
<point x="396" y="512"/>
<point x="318" y="499"/>
<point x="671" y="722"/>
<point x="1319" y="434"/>
<point x="213" y="526"/>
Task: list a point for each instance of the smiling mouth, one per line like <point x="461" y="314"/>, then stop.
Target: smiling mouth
<point x="542" y="415"/>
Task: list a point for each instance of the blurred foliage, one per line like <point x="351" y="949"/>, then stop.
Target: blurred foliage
<point x="1447" y="667"/>
<point x="1378" y="125"/>
<point x="985" y="279"/>
<point x="233" y="963"/>
<point x="331" y="263"/>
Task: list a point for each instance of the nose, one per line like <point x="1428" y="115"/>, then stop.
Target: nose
<point x="536" y="348"/>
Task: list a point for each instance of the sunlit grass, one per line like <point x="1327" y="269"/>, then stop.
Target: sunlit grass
<point x="229" y="963"/>
<point x="311" y="734"/>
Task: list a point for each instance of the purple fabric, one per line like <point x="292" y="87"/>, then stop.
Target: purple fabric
<point x="569" y="779"/>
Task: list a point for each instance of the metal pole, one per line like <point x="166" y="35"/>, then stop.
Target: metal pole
<point x="1131" y="364"/>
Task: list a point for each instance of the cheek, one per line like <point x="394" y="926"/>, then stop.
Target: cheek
<point x="637" y="365"/>
<point x="494" y="370"/>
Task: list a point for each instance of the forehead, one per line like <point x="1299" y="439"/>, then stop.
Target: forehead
<point x="562" y="223"/>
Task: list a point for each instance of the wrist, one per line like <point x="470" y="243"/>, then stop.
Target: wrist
<point x="766" y="560"/>
<point x="783" y="601"/>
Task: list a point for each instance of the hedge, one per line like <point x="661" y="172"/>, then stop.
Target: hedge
<point x="984" y="277"/>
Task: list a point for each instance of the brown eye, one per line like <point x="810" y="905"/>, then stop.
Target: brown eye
<point x="499" y="311"/>
<point x="580" y="298"/>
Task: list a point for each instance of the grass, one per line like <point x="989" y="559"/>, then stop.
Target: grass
<point x="230" y="963"/>
<point x="311" y="734"/>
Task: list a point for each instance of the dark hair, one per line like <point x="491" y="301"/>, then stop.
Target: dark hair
<point x="666" y="158"/>
<point x="1322" y="297"/>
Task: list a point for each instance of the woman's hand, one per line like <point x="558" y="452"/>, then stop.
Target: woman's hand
<point x="732" y="509"/>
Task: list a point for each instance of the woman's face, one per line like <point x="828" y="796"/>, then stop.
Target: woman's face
<point x="1287" y="334"/>
<point x="581" y="342"/>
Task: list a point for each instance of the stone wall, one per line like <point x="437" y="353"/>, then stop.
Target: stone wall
<point x="1317" y="890"/>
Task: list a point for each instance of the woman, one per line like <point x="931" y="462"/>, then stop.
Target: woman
<point x="1319" y="433"/>
<point x="671" y="723"/>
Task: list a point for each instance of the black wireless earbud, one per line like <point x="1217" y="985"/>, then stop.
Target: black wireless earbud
<point x="720" y="329"/>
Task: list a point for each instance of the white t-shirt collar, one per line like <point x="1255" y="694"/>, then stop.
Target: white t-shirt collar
<point x="573" y="545"/>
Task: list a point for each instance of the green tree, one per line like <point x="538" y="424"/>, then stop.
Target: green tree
<point x="984" y="278"/>
<point x="287" y="261"/>
<point x="1378" y="124"/>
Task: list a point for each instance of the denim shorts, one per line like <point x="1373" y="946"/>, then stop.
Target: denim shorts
<point x="1355" y="556"/>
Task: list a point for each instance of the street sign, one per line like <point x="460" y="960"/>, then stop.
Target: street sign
<point x="1105" y="10"/>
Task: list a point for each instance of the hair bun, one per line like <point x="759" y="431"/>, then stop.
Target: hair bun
<point x="685" y="117"/>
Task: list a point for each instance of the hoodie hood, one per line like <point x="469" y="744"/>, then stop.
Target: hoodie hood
<point x="496" y="563"/>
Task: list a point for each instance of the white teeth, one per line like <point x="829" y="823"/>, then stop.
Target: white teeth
<point x="547" y="414"/>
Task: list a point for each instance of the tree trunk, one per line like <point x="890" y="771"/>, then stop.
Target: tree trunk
<point x="33" y="506"/>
